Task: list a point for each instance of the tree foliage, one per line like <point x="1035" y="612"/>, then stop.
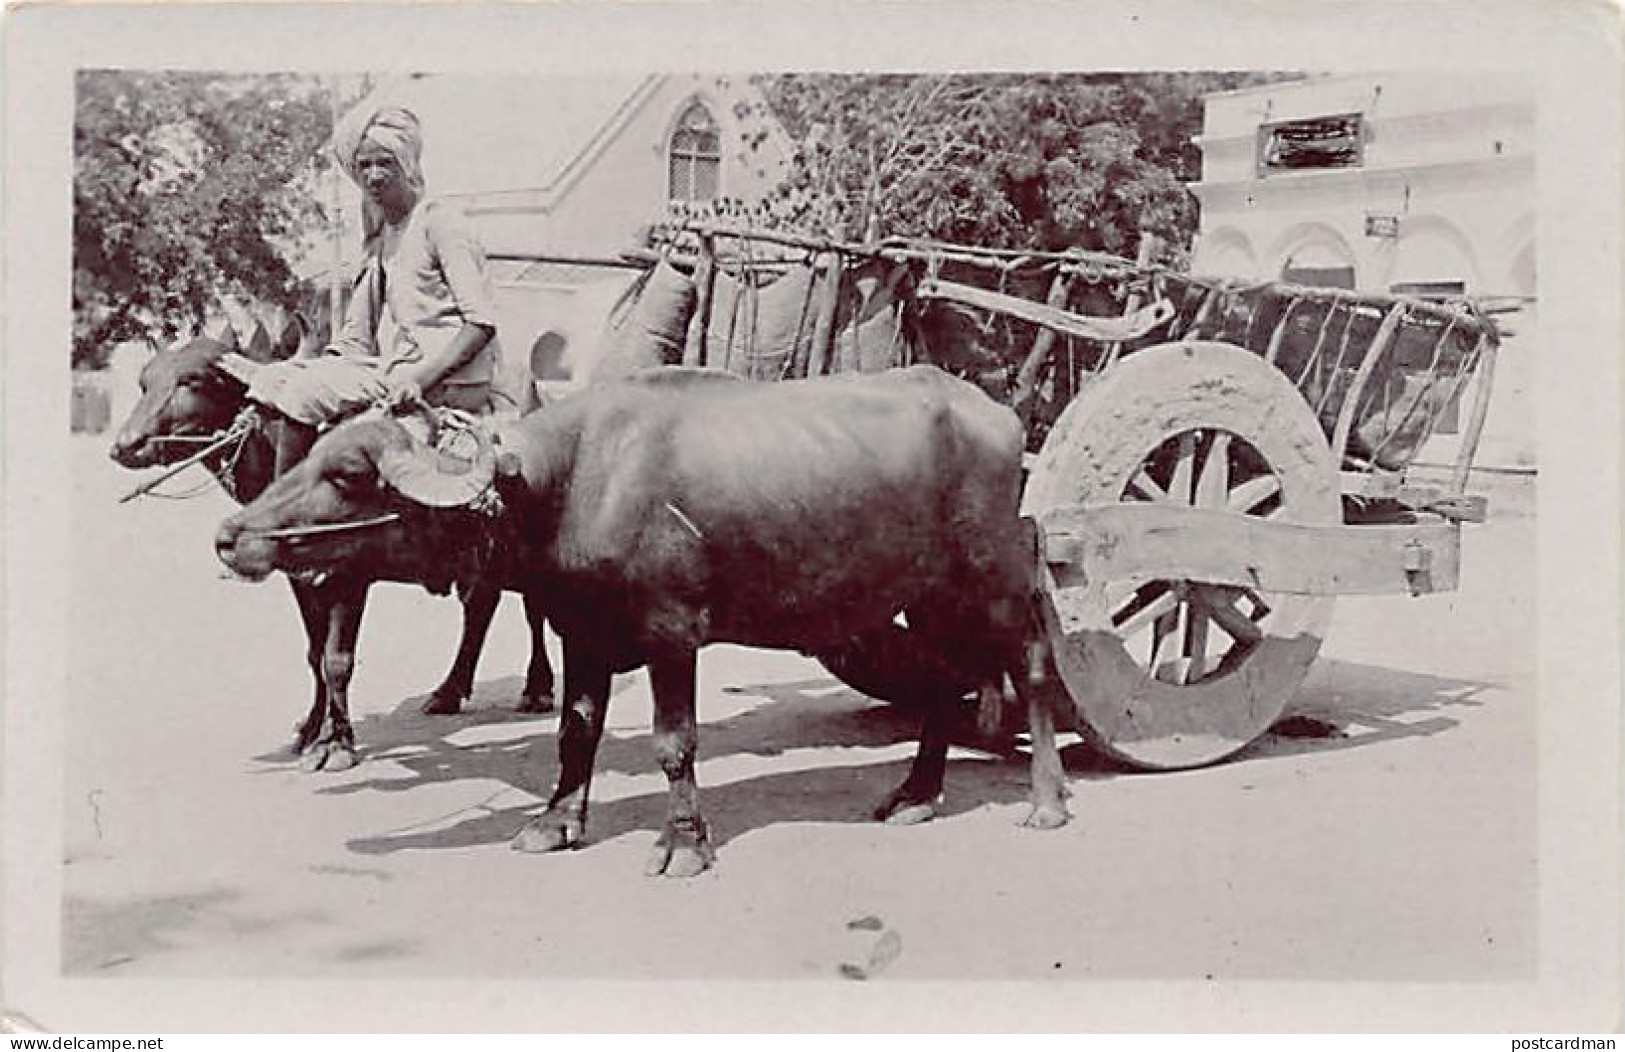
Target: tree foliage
<point x="187" y="187"/>
<point x="1000" y="160"/>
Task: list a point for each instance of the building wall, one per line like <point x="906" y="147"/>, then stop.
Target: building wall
<point x="624" y="189"/>
<point x="1449" y="158"/>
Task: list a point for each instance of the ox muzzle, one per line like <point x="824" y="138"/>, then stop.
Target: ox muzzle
<point x="138" y="448"/>
<point x="254" y="552"/>
<point x="308" y="521"/>
<point x="132" y="450"/>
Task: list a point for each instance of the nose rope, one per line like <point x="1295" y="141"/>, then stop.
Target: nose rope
<point x="185" y="494"/>
<point x="319" y="529"/>
<point x="238" y="433"/>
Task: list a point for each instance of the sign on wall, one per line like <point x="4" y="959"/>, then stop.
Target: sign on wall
<point x="1382" y="226"/>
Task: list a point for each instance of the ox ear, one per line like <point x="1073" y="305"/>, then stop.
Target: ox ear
<point x="443" y="477"/>
<point x="288" y="343"/>
<point x="259" y="344"/>
<point x="227" y="337"/>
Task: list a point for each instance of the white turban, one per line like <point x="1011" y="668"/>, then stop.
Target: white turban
<point x="395" y="129"/>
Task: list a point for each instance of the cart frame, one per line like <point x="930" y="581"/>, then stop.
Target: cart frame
<point x="1229" y="455"/>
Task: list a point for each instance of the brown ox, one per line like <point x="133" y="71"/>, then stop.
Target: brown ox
<point x="186" y="400"/>
<point x="675" y="509"/>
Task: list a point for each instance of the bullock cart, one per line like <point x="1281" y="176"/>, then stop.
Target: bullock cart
<point x="1210" y="463"/>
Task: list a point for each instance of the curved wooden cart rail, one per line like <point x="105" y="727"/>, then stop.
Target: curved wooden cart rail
<point x="1167" y="674"/>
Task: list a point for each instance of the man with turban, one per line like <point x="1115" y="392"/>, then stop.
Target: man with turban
<point x="420" y="325"/>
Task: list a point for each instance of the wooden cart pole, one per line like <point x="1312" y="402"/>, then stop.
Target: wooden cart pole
<point x="802" y="349"/>
<point x="1484" y="377"/>
<point x="705" y="279"/>
<point x="1142" y="260"/>
<point x="1273" y="351"/>
<point x="847" y="357"/>
<point x="1032" y="367"/>
<point x="828" y="304"/>
<point x="1356" y="390"/>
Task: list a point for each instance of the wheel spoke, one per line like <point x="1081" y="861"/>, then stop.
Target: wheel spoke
<point x="1179" y="487"/>
<point x="1117" y="594"/>
<point x="1196" y="622"/>
<point x="1165" y="661"/>
<point x="1218" y="606"/>
<point x="1250" y="494"/>
<point x="1155" y="609"/>
<point x="1124" y="601"/>
<point x="1213" y="484"/>
<point x="1147" y="487"/>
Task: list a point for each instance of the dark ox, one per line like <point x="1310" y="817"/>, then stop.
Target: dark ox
<point x="186" y="399"/>
<point x="679" y="508"/>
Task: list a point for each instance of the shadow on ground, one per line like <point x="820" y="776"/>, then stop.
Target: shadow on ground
<point x="1345" y="705"/>
<point x="813" y="714"/>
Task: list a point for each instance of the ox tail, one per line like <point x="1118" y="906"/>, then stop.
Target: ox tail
<point x="1026" y="664"/>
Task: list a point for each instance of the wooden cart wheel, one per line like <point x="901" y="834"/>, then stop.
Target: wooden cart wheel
<point x="1173" y="673"/>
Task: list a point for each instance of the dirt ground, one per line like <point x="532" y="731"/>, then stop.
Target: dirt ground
<point x="1401" y="847"/>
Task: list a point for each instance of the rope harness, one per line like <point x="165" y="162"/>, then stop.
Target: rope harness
<point x="241" y="428"/>
<point x="323" y="529"/>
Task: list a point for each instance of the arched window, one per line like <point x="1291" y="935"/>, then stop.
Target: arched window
<point x="1226" y="252"/>
<point x="694" y="156"/>
<point x="1432" y="258"/>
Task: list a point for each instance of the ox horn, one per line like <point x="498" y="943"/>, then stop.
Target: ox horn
<point x="437" y="479"/>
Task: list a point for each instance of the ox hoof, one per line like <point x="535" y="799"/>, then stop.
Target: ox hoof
<point x="330" y="757"/>
<point x="304" y="736"/>
<point x="905" y="811"/>
<point x="443" y="702"/>
<point x="545" y="834"/>
<point x="340" y="758"/>
<point x="1041" y="817"/>
<point x="535" y="705"/>
<point x="681" y="853"/>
